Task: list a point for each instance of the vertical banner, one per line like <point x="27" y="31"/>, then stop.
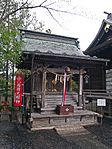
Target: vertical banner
<point x="18" y="91"/>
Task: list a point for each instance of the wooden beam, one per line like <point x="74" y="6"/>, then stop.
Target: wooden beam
<point x="43" y="87"/>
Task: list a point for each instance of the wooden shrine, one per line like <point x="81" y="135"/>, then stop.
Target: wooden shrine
<point x="101" y="47"/>
<point x="59" y="74"/>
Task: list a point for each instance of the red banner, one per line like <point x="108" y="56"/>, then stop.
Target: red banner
<point x="18" y="90"/>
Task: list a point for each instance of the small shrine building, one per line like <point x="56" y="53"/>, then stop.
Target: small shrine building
<point x="60" y="73"/>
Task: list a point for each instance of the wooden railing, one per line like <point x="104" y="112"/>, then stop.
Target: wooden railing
<point x="90" y="98"/>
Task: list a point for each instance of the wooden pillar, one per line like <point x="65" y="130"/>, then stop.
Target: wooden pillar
<point x="80" y="87"/>
<point x="31" y="93"/>
<point x="84" y="98"/>
<point x="43" y="88"/>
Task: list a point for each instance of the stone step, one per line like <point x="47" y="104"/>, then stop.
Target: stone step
<point x="67" y="130"/>
<point x="48" y="110"/>
<point x="55" y="104"/>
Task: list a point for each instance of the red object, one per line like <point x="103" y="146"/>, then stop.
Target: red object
<point x="65" y="109"/>
<point x="5" y="103"/>
<point x="18" y="90"/>
<point x="64" y="90"/>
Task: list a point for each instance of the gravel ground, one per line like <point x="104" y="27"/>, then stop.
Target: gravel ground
<point x="94" y="136"/>
<point x="16" y="136"/>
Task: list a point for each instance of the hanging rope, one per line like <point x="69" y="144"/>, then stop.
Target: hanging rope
<point x="60" y="75"/>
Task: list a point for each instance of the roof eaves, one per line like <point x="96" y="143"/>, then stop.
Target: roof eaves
<point x="96" y="38"/>
<point x="68" y="56"/>
<point x="99" y="47"/>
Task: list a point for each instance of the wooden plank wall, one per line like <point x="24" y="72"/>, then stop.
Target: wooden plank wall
<point x="109" y="80"/>
<point x="96" y="79"/>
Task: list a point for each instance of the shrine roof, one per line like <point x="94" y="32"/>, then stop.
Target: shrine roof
<point x="45" y="44"/>
<point x="50" y="44"/>
<point x="103" y="37"/>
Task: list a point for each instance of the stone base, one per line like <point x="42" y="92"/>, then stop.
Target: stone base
<point x="65" y="109"/>
<point x="79" y="117"/>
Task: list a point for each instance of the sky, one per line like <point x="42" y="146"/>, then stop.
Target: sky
<point x="83" y="21"/>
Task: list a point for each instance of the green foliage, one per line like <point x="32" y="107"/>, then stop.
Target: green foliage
<point x="10" y="46"/>
<point x="1" y="107"/>
<point x="11" y="108"/>
<point x="10" y="51"/>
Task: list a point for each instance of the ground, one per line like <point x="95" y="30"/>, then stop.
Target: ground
<point x="16" y="136"/>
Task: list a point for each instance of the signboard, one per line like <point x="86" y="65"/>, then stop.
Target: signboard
<point x="18" y="90"/>
<point x="101" y="102"/>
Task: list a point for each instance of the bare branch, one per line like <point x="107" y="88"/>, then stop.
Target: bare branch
<point x="24" y="3"/>
<point x="53" y="17"/>
<point x="58" y="10"/>
<point x="7" y="15"/>
<point x="50" y="4"/>
<point x="43" y="2"/>
<point x="37" y="6"/>
<point x="68" y="12"/>
<point x="27" y="7"/>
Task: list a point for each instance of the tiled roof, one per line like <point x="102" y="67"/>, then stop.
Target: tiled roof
<point x="102" y="36"/>
<point x="49" y="43"/>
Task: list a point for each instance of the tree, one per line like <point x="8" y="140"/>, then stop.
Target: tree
<point x="16" y="7"/>
<point x="10" y="50"/>
<point x="10" y="47"/>
<point x="13" y="15"/>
